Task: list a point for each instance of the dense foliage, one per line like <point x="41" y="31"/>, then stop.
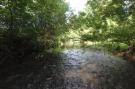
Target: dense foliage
<point x="28" y="27"/>
<point x="109" y="21"/>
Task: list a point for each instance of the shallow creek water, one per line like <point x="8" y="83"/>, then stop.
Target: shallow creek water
<point x="73" y="69"/>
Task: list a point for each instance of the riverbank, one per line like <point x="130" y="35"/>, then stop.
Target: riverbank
<point x="125" y="55"/>
<point x="128" y="54"/>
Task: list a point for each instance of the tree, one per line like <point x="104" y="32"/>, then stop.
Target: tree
<point x="111" y="19"/>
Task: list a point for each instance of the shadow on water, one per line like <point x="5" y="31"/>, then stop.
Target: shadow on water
<point x="81" y="68"/>
<point x="38" y="74"/>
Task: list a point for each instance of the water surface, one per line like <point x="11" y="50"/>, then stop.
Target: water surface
<point x="72" y="69"/>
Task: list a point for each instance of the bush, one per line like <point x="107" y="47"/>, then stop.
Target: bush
<point x="17" y="48"/>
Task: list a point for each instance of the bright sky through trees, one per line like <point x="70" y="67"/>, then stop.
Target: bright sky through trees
<point x="77" y="5"/>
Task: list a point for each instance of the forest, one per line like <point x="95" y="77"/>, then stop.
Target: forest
<point x="33" y="26"/>
<point x="33" y="30"/>
<point x="28" y="27"/>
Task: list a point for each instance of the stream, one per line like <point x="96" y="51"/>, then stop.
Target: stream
<point x="81" y="68"/>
